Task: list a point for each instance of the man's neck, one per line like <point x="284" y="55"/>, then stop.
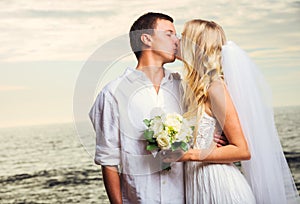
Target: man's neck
<point x="155" y="74"/>
<point x="154" y="71"/>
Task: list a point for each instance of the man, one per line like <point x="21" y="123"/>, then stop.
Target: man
<point x="131" y="174"/>
<point x="119" y="111"/>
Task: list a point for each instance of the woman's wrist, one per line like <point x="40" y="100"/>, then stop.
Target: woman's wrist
<point x="194" y="155"/>
<point x="190" y="155"/>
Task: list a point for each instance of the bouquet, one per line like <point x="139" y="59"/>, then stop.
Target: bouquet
<point x="168" y="132"/>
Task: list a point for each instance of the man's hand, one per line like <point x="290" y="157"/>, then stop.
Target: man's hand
<point x="221" y="140"/>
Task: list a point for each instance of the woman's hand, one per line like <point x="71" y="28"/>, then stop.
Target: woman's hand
<point x="179" y="155"/>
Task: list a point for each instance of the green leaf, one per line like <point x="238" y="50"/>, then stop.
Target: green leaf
<point x="166" y="166"/>
<point x="147" y="122"/>
<point x="193" y="128"/>
<point x="184" y="146"/>
<point x="151" y="147"/>
<point x="148" y="135"/>
<point x="175" y="145"/>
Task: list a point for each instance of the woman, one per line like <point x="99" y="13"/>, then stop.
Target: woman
<point x="234" y="102"/>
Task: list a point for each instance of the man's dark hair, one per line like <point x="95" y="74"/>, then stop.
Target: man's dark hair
<point x="144" y="24"/>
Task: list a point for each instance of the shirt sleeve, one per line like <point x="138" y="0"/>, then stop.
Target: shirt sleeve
<point x="105" y="118"/>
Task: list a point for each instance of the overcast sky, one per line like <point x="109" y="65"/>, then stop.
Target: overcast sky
<point x="45" y="44"/>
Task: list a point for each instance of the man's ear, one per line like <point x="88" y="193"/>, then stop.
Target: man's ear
<point x="146" y="39"/>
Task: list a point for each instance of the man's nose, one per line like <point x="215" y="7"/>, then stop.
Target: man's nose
<point x="177" y="39"/>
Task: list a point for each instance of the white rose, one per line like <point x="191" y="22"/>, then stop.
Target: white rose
<point x="184" y="135"/>
<point x="156" y="126"/>
<point x="172" y="120"/>
<point x="163" y="140"/>
<point x="185" y="132"/>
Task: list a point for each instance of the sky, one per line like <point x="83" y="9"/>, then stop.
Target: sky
<point x="46" y="44"/>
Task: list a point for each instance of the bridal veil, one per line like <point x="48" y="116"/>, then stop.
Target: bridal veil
<point x="267" y="171"/>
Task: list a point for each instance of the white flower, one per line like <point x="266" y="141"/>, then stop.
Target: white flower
<point x="173" y="121"/>
<point x="156" y="126"/>
<point x="170" y="131"/>
<point x="163" y="140"/>
<point x="185" y="132"/>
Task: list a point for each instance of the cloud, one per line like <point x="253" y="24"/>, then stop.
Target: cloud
<point x="72" y="30"/>
<point x="35" y="35"/>
<point x="12" y="88"/>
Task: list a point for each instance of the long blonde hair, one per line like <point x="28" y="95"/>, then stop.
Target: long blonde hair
<point x="201" y="47"/>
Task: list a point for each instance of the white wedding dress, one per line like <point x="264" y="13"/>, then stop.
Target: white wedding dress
<point x="266" y="175"/>
<point x="210" y="183"/>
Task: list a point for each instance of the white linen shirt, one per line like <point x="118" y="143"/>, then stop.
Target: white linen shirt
<point x="117" y="116"/>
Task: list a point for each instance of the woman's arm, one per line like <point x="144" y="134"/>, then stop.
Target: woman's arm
<point x="223" y="109"/>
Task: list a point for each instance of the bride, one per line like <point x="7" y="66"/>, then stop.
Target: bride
<point x="224" y="91"/>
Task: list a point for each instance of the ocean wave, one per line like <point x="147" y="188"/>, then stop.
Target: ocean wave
<point x="66" y="185"/>
<point x="292" y="157"/>
<point x="54" y="177"/>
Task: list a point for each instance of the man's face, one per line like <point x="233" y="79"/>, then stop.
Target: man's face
<point x="165" y="41"/>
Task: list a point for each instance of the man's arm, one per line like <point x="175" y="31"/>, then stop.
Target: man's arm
<point x="111" y="179"/>
<point x="105" y="119"/>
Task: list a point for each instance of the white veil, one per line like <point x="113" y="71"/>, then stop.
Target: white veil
<point x="267" y="171"/>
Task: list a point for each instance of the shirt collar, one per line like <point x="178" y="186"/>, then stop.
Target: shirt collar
<point x="134" y="74"/>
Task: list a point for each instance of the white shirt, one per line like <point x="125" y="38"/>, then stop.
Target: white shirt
<point x="117" y="116"/>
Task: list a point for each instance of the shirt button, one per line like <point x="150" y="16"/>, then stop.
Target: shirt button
<point x="164" y="182"/>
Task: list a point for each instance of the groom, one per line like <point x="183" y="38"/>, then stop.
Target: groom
<point x="130" y="173"/>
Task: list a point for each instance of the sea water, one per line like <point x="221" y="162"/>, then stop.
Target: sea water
<point x="54" y="163"/>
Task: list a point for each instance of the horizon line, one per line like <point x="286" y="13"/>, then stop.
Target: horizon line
<point x="73" y="122"/>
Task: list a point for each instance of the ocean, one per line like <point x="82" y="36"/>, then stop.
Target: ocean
<point x="48" y="163"/>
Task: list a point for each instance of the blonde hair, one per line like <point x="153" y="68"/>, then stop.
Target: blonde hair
<point x="201" y="47"/>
